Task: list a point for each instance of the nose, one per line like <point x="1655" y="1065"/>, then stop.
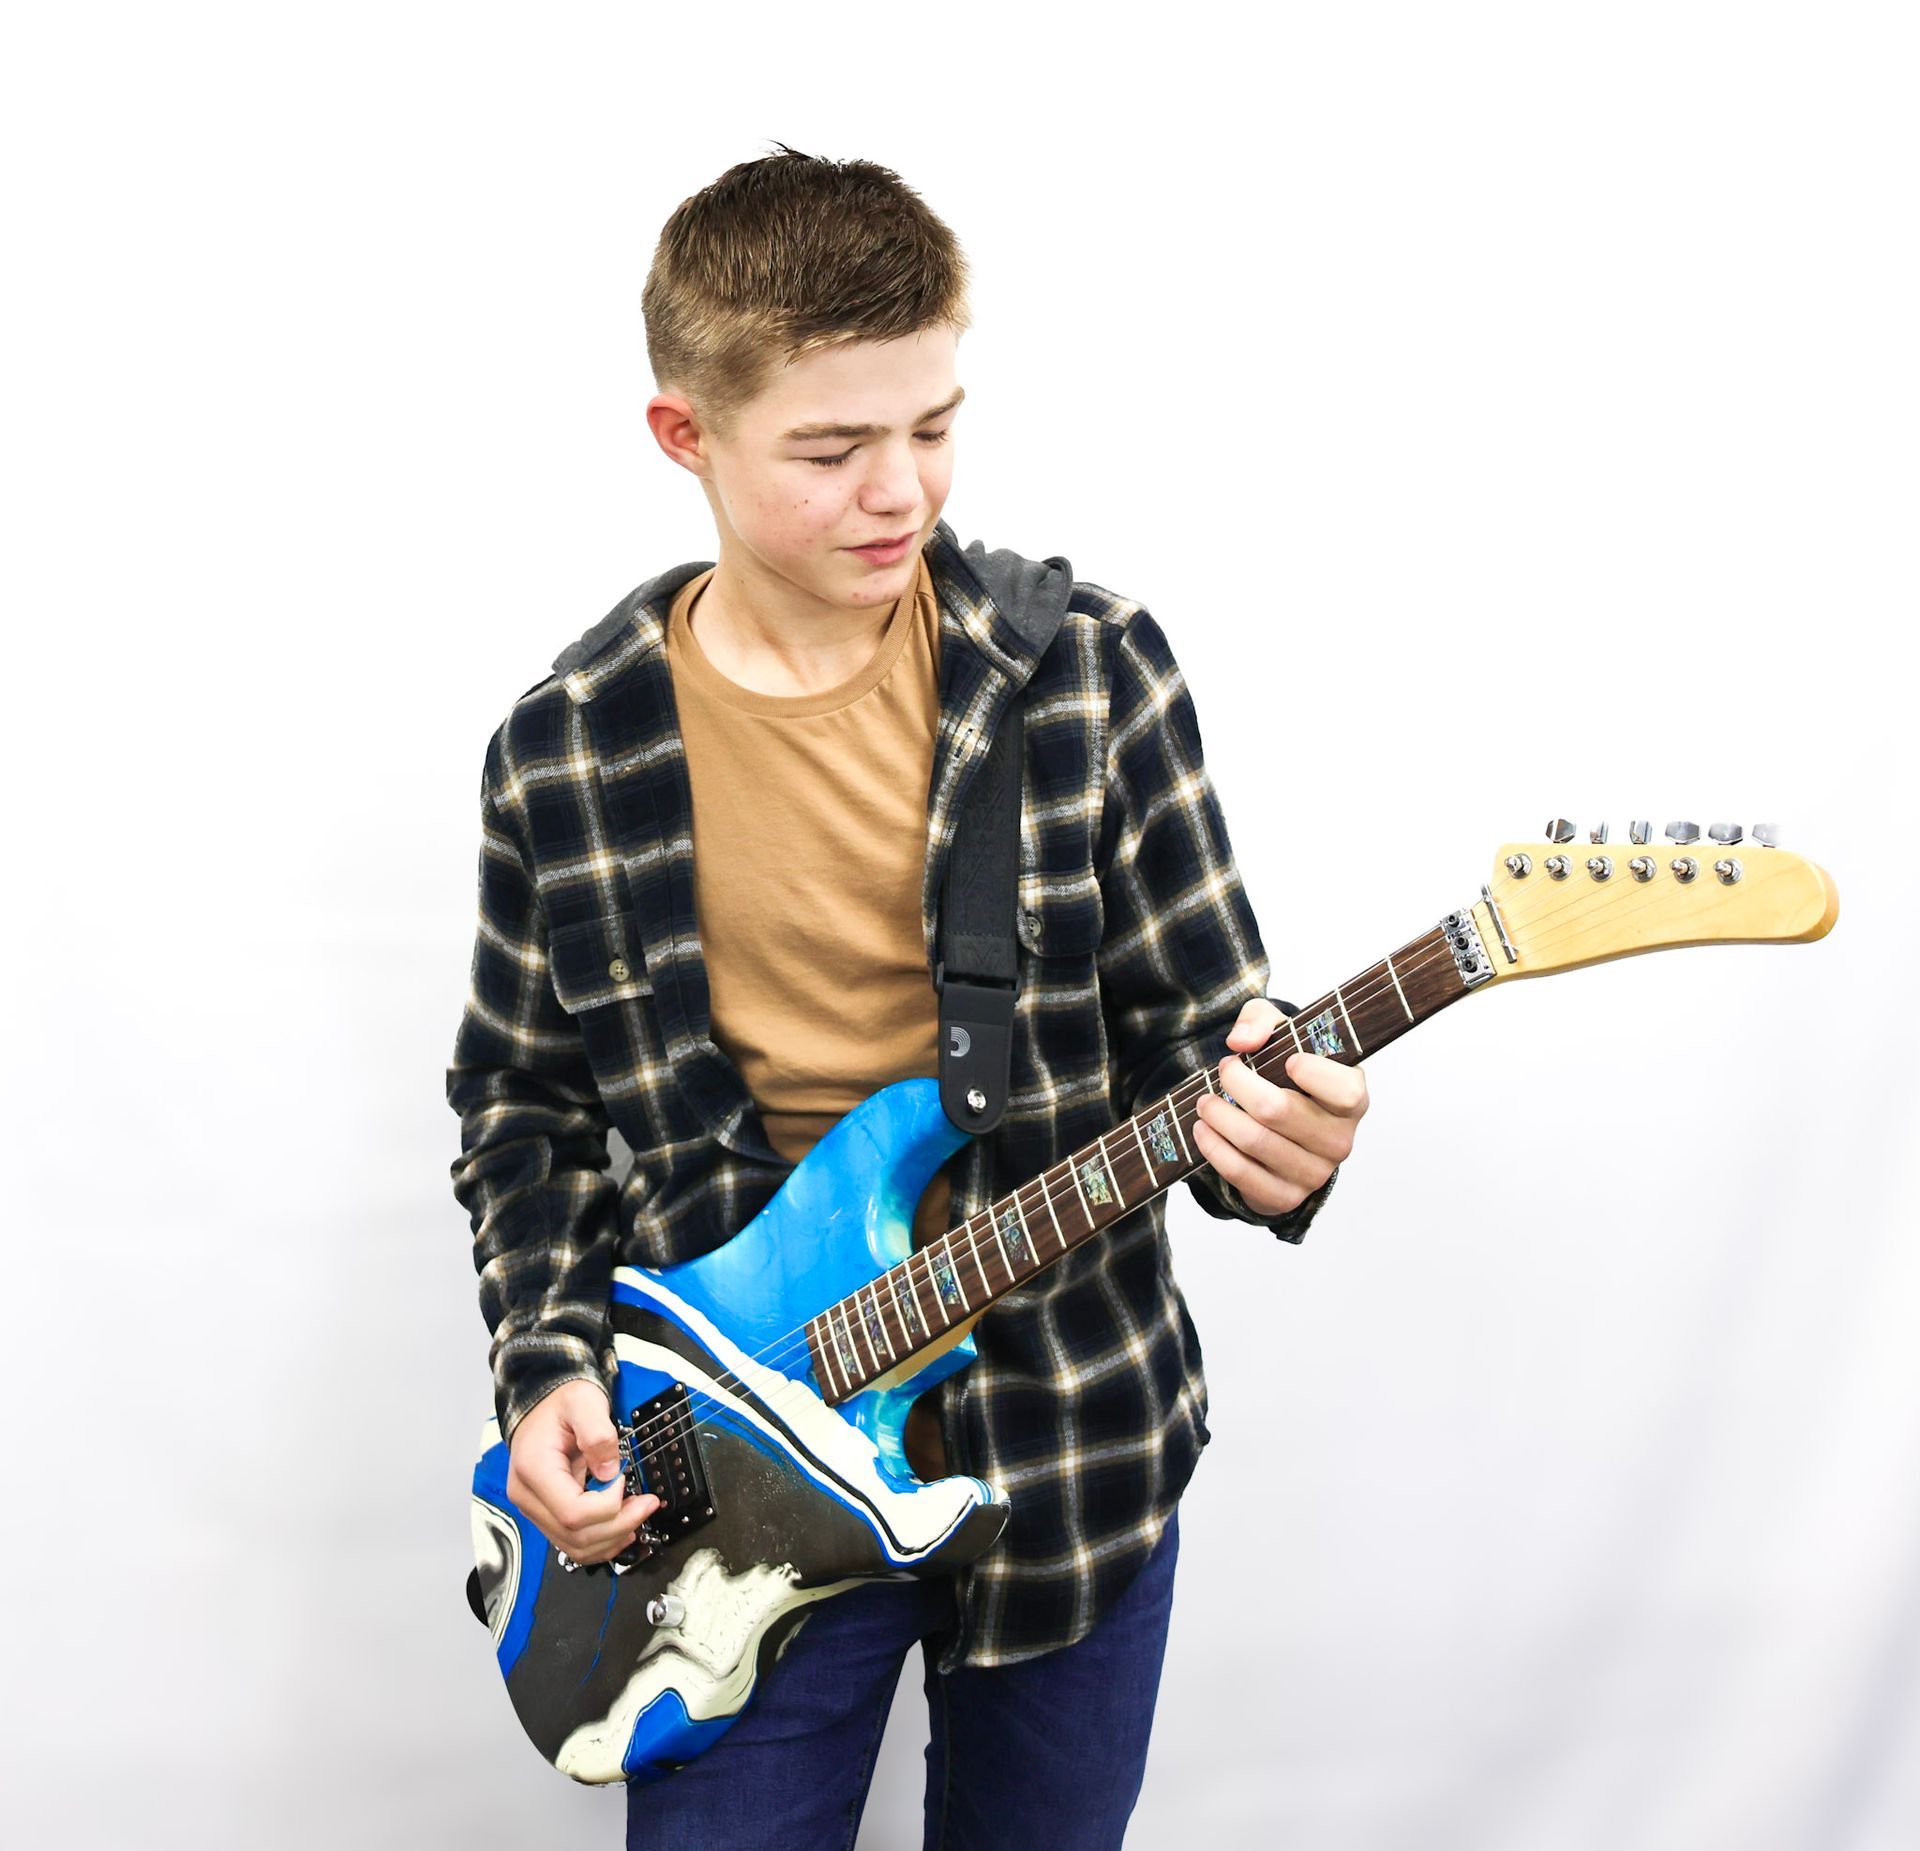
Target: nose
<point x="894" y="482"/>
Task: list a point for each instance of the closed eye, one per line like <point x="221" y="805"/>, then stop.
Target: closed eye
<point x="929" y="438"/>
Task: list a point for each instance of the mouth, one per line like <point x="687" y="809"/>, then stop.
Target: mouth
<point x="884" y="552"/>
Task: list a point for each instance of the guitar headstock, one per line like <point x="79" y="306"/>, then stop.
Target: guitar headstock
<point x="1560" y="903"/>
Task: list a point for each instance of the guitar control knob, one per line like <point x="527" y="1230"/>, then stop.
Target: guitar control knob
<point x="1769" y="833"/>
<point x="1560" y="830"/>
<point x="1598" y="833"/>
<point x="1683" y="832"/>
<point x="1640" y="834"/>
<point x="1729" y="833"/>
<point x="666" y="1610"/>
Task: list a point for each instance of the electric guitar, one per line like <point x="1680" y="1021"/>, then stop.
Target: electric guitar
<point x="763" y="1388"/>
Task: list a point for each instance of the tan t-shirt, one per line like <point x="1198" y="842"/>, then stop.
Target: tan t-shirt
<point x="810" y="840"/>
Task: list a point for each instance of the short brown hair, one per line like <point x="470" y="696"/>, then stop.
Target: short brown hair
<point x="782" y="256"/>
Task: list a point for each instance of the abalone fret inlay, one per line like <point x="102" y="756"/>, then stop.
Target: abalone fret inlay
<point x="1093" y="1180"/>
<point x="1324" y="1034"/>
<point x="949" y="1285"/>
<point x="1160" y="1136"/>
<point x="1012" y="1236"/>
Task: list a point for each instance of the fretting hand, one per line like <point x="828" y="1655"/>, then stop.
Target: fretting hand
<point x="1275" y="1145"/>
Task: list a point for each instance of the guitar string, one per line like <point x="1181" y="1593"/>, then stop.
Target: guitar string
<point x="931" y="1263"/>
<point x="923" y="1267"/>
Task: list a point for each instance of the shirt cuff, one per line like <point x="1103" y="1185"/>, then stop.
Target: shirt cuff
<point x="525" y="1377"/>
<point x="1222" y="1200"/>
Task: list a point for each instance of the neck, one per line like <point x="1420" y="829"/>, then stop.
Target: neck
<point x="768" y="626"/>
<point x="882" y="1327"/>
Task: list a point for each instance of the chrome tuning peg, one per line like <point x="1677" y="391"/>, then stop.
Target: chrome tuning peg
<point x="1729" y="833"/>
<point x="1640" y="833"/>
<point x="1560" y="830"/>
<point x="1598" y="833"/>
<point x="1769" y="833"/>
<point x="1683" y="832"/>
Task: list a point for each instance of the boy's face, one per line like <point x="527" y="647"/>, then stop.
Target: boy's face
<point x="788" y="514"/>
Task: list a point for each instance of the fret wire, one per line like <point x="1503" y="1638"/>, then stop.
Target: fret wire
<point x="1395" y="975"/>
<point x="909" y="1311"/>
<point x="1026" y="1234"/>
<point x="1112" y="1175"/>
<point x="880" y="1318"/>
<point x="1046" y="1196"/>
<point x="1073" y="1170"/>
<point x="1179" y="1130"/>
<point x="1063" y="1184"/>
<point x="979" y="1246"/>
<point x="862" y="1342"/>
<point x="850" y="1354"/>
<point x="823" y="1351"/>
<point x="979" y="1262"/>
<point x="1105" y="1162"/>
<point x="877" y="1320"/>
<point x="1140" y="1141"/>
<point x="994" y="1223"/>
<point x="860" y="1335"/>
<point x="1348" y="1013"/>
<point x="954" y="1273"/>
<point x="933" y="1287"/>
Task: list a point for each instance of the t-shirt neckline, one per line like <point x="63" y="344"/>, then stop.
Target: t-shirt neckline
<point x="795" y="706"/>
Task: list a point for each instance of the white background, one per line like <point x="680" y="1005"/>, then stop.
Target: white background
<point x="1507" y="411"/>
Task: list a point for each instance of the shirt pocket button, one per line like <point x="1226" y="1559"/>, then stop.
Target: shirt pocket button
<point x="618" y="971"/>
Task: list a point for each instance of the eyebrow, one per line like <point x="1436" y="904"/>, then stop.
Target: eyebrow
<point x="808" y="433"/>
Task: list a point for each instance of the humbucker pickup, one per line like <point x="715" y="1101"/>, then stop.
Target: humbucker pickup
<point x="660" y="1449"/>
<point x="659" y="1453"/>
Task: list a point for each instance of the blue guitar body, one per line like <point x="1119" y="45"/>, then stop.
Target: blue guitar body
<point x="776" y="1500"/>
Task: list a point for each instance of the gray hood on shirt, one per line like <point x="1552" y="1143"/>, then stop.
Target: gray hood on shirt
<point x="1031" y="594"/>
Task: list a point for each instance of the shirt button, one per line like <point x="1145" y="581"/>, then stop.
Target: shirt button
<point x="618" y="971"/>
<point x="1032" y="919"/>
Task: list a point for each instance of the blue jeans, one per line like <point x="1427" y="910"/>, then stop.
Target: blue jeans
<point x="1048" y="1751"/>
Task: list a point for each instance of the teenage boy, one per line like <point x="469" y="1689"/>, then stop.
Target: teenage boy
<point x="806" y="713"/>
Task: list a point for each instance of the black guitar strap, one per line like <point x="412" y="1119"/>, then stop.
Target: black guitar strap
<point x="979" y="964"/>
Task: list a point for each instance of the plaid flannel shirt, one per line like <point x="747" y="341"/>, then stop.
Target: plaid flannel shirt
<point x="588" y="1010"/>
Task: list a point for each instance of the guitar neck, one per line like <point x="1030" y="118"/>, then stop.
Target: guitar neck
<point x="887" y="1323"/>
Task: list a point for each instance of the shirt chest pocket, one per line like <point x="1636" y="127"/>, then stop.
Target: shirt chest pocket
<point x="597" y="961"/>
<point x="600" y="978"/>
<point x="1059" y="927"/>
